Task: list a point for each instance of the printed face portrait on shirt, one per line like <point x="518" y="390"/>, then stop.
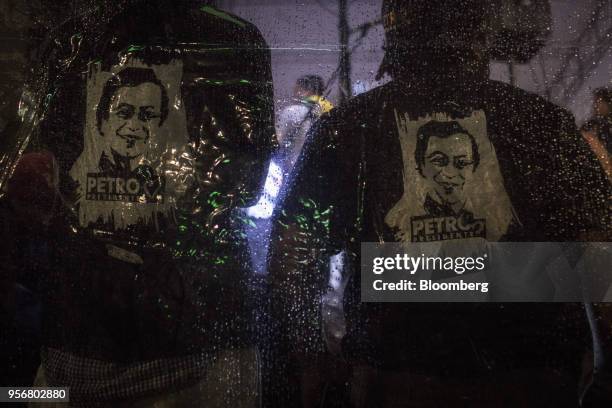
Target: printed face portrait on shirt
<point x="453" y="186"/>
<point x="133" y="106"/>
<point x="446" y="156"/>
<point x="131" y="140"/>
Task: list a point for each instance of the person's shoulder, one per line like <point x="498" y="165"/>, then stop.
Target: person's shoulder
<point x="294" y="111"/>
<point x="359" y="108"/>
<point x="341" y="126"/>
<point x="293" y="107"/>
<point x="527" y="106"/>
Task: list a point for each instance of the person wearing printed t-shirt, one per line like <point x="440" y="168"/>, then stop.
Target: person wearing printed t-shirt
<point x="440" y="155"/>
<point x="154" y="134"/>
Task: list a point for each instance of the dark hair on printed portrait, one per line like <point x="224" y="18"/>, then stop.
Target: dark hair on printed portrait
<point x="129" y="77"/>
<point x="442" y="130"/>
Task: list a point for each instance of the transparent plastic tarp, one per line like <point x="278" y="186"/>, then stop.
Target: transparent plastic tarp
<point x="189" y="190"/>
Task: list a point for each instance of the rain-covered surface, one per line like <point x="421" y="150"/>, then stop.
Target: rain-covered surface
<point x="181" y="223"/>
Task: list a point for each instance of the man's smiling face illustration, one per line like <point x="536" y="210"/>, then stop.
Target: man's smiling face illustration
<point x="134" y="114"/>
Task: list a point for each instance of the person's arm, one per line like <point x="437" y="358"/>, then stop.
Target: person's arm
<point x="28" y="204"/>
<point x="303" y="239"/>
<point x="579" y="187"/>
<point x="591" y="219"/>
<point x="600" y="151"/>
<point x="33" y="189"/>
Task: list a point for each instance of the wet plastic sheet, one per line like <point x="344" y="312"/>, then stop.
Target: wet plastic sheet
<point x="137" y="179"/>
<point x="146" y="128"/>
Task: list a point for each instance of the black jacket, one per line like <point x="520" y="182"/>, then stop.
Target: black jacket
<point x="352" y="175"/>
<point x="148" y="256"/>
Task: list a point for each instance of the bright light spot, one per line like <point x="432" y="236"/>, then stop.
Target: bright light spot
<point x="336" y="266"/>
<point x="265" y="206"/>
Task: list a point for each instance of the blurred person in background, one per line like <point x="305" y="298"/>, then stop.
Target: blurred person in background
<point x="295" y="120"/>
